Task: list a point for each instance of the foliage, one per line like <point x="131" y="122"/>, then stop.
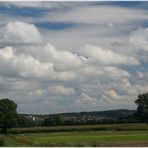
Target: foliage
<point x="23" y="121"/>
<point x="1" y="141"/>
<point x="127" y="119"/>
<point x="8" y="114"/>
<point x="142" y="109"/>
<point x="52" y="120"/>
<point x="81" y="118"/>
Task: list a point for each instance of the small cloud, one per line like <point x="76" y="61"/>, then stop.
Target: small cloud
<point x="61" y="90"/>
<point x="110" y="24"/>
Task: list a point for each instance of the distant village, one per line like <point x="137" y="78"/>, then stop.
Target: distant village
<point x="114" y="116"/>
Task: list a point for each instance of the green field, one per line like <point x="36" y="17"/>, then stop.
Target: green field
<point x="83" y="128"/>
<point x="110" y="137"/>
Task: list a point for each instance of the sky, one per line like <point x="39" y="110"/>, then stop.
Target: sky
<point x="60" y="57"/>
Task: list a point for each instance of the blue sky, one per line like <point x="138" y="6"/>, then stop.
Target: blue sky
<point x="73" y="56"/>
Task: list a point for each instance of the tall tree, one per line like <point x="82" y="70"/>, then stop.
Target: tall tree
<point x="142" y="109"/>
<point x="8" y="114"/>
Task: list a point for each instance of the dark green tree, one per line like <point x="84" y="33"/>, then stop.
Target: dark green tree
<point x="25" y="122"/>
<point x="53" y="120"/>
<point x="8" y="114"/>
<point x="142" y="109"/>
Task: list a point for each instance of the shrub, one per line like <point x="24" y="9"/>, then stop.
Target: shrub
<point x="1" y="141"/>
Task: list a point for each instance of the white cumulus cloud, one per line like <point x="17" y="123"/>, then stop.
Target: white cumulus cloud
<point x="106" y="56"/>
<point x="21" y="33"/>
<point x="61" y="90"/>
<point x="139" y="39"/>
<point x="63" y="59"/>
<point x="23" y="65"/>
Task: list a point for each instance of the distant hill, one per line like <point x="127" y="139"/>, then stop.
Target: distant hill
<point x="108" y="113"/>
<point x="92" y="117"/>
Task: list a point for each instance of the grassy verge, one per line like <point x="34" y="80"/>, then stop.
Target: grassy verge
<point x="92" y="138"/>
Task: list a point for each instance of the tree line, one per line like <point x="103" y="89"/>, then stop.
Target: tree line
<point x="9" y="117"/>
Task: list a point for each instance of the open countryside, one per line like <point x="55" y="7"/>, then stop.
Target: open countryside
<point x="86" y="135"/>
<point x="73" y="73"/>
<point x="126" y="128"/>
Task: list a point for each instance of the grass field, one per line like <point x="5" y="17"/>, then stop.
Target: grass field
<point x="81" y="138"/>
<point x="82" y="128"/>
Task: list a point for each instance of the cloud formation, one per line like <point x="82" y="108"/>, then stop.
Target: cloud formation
<point x="21" y="33"/>
<point x="93" y="15"/>
<point x="139" y="39"/>
<point x="106" y="56"/>
<point x="97" y="63"/>
<point x="23" y="65"/>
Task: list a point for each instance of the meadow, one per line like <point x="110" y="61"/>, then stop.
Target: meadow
<point x="78" y="135"/>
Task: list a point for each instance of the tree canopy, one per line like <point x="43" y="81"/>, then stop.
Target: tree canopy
<point x="142" y="109"/>
<point x="8" y="114"/>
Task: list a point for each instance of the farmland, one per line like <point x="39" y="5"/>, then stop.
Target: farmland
<point x="82" y="128"/>
<point x="89" y="135"/>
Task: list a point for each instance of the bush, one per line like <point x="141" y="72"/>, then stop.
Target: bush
<point x="1" y="141"/>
